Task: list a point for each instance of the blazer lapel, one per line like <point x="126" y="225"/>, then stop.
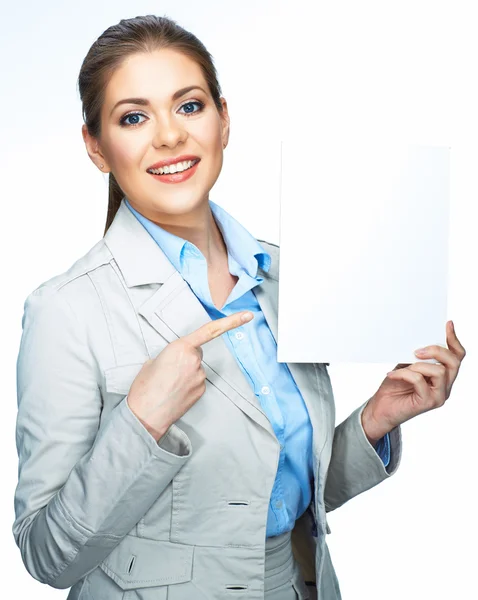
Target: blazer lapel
<point x="173" y="309"/>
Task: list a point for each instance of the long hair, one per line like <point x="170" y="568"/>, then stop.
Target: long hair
<point x="130" y="36"/>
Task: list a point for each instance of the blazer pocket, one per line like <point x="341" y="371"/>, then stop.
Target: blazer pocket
<point x="119" y="379"/>
<point x="141" y="568"/>
<point x="141" y="562"/>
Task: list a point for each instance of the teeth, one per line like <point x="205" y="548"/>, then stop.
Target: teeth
<point x="176" y="168"/>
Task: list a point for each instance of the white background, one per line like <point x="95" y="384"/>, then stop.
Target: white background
<point x="358" y="66"/>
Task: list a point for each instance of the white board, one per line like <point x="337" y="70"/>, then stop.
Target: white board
<point x="363" y="250"/>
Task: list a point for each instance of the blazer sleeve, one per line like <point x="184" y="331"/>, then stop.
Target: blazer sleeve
<point x="355" y="465"/>
<point x="81" y="488"/>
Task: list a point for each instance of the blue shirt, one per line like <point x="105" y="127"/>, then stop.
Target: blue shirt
<point x="255" y="350"/>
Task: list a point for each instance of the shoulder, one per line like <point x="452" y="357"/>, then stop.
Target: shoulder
<point x="71" y="286"/>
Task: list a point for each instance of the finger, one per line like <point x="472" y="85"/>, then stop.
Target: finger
<point x="453" y="342"/>
<point x="436" y="373"/>
<point x="413" y="378"/>
<point x="214" y="329"/>
<point x="441" y="354"/>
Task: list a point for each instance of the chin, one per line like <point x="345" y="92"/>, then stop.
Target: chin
<point x="178" y="204"/>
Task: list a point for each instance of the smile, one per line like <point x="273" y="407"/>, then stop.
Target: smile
<point x="175" y="168"/>
<point x="175" y="173"/>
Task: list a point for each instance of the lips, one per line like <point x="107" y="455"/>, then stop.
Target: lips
<point x="171" y="161"/>
<point x="177" y="177"/>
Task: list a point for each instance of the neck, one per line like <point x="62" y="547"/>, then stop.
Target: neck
<point x="199" y="228"/>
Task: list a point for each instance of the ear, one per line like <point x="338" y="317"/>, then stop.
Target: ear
<point x="92" y="147"/>
<point x="226" y="123"/>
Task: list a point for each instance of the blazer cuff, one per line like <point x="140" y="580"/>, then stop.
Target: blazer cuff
<point x="355" y="465"/>
<point x="174" y="441"/>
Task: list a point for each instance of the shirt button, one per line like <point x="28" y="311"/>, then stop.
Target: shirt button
<point x="239" y="335"/>
<point x="265" y="390"/>
<point x="279" y="504"/>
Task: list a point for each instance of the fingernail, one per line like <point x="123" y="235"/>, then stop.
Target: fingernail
<point x="421" y="351"/>
<point x="246" y="317"/>
<point x="452" y="325"/>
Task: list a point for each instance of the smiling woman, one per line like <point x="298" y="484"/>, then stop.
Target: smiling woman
<point x="182" y="117"/>
<point x="163" y="450"/>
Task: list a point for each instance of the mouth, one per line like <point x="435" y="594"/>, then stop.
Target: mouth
<point x="175" y="173"/>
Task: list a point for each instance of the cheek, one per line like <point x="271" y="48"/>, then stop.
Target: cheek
<point x="127" y="155"/>
<point x="125" y="151"/>
<point x="216" y="149"/>
<point x="208" y="134"/>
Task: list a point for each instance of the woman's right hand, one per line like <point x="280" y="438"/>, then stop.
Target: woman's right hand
<point x="168" y="385"/>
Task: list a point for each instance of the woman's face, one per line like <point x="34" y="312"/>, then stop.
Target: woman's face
<point x="135" y="136"/>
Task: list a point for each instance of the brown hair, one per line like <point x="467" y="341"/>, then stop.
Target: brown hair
<point x="139" y="34"/>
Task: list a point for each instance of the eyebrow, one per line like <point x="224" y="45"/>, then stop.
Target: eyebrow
<point x="145" y="101"/>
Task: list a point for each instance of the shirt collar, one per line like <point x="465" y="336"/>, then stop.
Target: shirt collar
<point x="243" y="246"/>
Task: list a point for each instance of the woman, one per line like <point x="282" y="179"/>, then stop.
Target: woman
<point x="164" y="453"/>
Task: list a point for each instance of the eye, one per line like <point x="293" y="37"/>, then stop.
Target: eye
<point x="123" y="122"/>
<point x="135" y="123"/>
<point x="191" y="103"/>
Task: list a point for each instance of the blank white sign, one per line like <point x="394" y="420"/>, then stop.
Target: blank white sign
<point x="363" y="251"/>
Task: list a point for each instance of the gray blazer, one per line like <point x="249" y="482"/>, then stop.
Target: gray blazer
<point x="100" y="506"/>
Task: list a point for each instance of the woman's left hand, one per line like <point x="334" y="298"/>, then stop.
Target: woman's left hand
<point x="410" y="390"/>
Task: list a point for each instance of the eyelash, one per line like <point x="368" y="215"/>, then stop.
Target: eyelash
<point x="129" y="125"/>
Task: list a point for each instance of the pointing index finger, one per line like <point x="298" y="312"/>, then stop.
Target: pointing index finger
<point x="214" y="329"/>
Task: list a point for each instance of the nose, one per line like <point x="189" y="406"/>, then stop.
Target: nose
<point x="168" y="132"/>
